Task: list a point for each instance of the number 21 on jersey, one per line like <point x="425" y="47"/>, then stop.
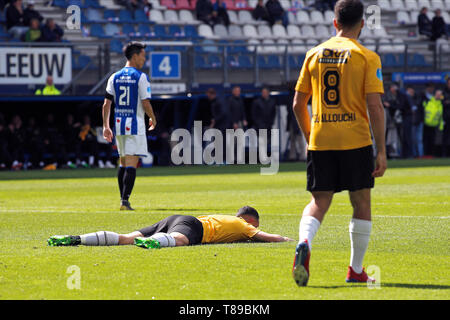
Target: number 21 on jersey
<point x="124" y="98"/>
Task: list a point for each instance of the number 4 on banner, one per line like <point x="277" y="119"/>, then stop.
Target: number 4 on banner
<point x="164" y="66"/>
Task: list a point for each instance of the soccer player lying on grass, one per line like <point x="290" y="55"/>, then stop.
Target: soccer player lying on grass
<point x="179" y="230"/>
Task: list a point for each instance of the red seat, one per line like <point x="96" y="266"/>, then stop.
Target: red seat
<point x="170" y="4"/>
<point x="182" y="5"/>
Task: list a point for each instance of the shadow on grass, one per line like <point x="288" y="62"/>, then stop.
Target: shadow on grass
<point x="390" y="285"/>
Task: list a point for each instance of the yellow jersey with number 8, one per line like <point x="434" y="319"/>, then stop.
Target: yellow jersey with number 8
<point x="339" y="73"/>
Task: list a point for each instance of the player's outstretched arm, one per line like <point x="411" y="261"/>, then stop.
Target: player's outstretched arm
<point x="106" y="111"/>
<point x="300" y="107"/>
<point x="149" y="111"/>
<point x="268" y="237"/>
<point x="376" y="114"/>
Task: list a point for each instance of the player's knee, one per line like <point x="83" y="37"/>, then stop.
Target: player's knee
<point x="180" y="239"/>
<point x="322" y="201"/>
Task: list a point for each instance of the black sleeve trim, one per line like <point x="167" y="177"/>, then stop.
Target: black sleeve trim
<point x="109" y="96"/>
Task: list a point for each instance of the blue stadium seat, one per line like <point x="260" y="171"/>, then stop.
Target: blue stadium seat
<point x="273" y="62"/>
<point x="128" y="30"/>
<point x="77" y="3"/>
<point x="116" y="46"/>
<point x="3" y="33"/>
<point x="149" y="49"/>
<point x="239" y="46"/>
<point x="125" y="16"/>
<point x="160" y="31"/>
<point x="417" y="60"/>
<point x="262" y="62"/>
<point x="191" y="32"/>
<point x="199" y="62"/>
<point x="245" y="61"/>
<point x="214" y="61"/>
<point x="60" y="3"/>
<point x="84" y="61"/>
<point x="144" y="30"/>
<point x="112" y="30"/>
<point x="93" y="4"/>
<point x="110" y="15"/>
<point x="140" y="16"/>
<point x="390" y="61"/>
<point x="293" y="62"/>
<point x="175" y="31"/>
<point x="94" y="15"/>
<point x="97" y="31"/>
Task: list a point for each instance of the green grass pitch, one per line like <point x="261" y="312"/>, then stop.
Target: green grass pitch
<point x="409" y="243"/>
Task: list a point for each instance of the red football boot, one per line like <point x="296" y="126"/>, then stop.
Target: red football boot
<point x="352" y="276"/>
<point x="300" y="270"/>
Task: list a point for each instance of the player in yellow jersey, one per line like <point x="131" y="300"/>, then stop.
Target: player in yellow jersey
<point x="345" y="82"/>
<point x="180" y="230"/>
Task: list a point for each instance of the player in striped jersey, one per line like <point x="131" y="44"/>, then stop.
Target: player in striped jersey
<point x="130" y="91"/>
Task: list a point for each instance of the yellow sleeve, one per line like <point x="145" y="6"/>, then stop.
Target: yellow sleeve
<point x="248" y="230"/>
<point x="304" y="80"/>
<point x="374" y="75"/>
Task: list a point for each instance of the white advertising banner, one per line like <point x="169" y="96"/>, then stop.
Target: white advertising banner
<point x="27" y="65"/>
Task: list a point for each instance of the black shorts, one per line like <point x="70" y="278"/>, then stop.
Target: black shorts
<point x="189" y="226"/>
<point x="340" y="170"/>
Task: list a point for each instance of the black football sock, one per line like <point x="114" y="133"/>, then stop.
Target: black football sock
<point x="128" y="182"/>
<point x="120" y="175"/>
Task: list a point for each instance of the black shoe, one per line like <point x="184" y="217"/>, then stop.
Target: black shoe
<point x="125" y="205"/>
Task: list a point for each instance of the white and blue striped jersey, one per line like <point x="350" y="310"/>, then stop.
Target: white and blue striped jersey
<point x="129" y="87"/>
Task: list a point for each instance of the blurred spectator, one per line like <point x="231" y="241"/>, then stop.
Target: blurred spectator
<point x="263" y="111"/>
<point x="29" y="13"/>
<point x="260" y="12"/>
<point x="399" y="109"/>
<point x="424" y="23"/>
<point x="276" y="12"/>
<point x="34" y="32"/>
<point x="433" y="122"/>
<point x="446" y="116"/>
<point x="147" y="7"/>
<point x="88" y="137"/>
<point x="237" y="109"/>
<point x="220" y="14"/>
<point x="417" y="122"/>
<point x="17" y="138"/>
<point x="15" y="19"/>
<point x="132" y="4"/>
<point x="219" y="111"/>
<point x="54" y="144"/>
<point x="5" y="156"/>
<point x="70" y="133"/>
<point x="34" y="144"/>
<point x="296" y="149"/>
<point x="323" y="5"/>
<point x="49" y="88"/>
<point x="204" y="10"/>
<point x="51" y="32"/>
<point x="438" y="26"/>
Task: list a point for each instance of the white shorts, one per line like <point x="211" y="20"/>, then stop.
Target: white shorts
<point x="132" y="145"/>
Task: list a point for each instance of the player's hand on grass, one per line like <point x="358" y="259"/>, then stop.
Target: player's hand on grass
<point x="288" y="239"/>
<point x="107" y="134"/>
<point x="381" y="165"/>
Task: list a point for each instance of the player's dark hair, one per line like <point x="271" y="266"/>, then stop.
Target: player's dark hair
<point x="131" y="48"/>
<point x="349" y="12"/>
<point x="247" y="210"/>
